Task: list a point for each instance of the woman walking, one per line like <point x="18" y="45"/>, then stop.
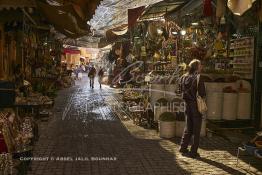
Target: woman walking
<point x="189" y="88"/>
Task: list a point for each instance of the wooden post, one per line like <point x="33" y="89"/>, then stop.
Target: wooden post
<point x="257" y="88"/>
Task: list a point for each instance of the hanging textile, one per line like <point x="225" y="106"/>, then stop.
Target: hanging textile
<point x="221" y="8"/>
<point x="133" y="15"/>
<point x="3" y="146"/>
<point x="208" y="8"/>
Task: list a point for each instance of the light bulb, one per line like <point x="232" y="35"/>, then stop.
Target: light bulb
<point x="183" y="32"/>
<point x="194" y="24"/>
<point x="159" y="31"/>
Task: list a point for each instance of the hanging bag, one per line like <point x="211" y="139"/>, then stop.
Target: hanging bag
<point x="201" y="103"/>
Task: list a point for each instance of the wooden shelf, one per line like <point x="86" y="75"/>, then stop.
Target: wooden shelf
<point x="243" y="47"/>
<point x="243" y="38"/>
<point x="241" y="55"/>
<point x="242" y="72"/>
<point x="241" y="63"/>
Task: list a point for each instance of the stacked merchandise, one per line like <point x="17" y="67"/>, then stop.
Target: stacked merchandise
<point x="16" y="136"/>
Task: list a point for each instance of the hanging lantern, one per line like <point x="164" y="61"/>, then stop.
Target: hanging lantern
<point x="239" y="7"/>
<point x="208" y="8"/>
<point x="223" y="20"/>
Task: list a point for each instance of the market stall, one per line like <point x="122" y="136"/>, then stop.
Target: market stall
<point x="225" y="45"/>
<point x="164" y="40"/>
<point x="30" y="75"/>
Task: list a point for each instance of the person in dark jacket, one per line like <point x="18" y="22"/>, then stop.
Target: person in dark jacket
<point x="100" y="76"/>
<point x="189" y="88"/>
<point x="91" y="75"/>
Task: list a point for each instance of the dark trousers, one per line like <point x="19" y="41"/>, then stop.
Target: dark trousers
<point x="192" y="129"/>
<point x="91" y="79"/>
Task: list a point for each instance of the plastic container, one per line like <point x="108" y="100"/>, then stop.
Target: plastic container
<point x="230" y="106"/>
<point x="167" y="129"/>
<point x="170" y="91"/>
<point x="244" y="106"/>
<point x="214" y="87"/>
<point x="157" y="91"/>
<point x="214" y="105"/>
<point x="203" y="128"/>
<point x="180" y="126"/>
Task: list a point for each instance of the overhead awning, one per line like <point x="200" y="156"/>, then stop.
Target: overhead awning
<point x="114" y="13"/>
<point x="65" y="19"/>
<point x="161" y="8"/>
<point x="115" y="34"/>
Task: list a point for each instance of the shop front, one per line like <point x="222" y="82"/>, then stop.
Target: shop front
<point x="223" y="36"/>
<point x="30" y="75"/>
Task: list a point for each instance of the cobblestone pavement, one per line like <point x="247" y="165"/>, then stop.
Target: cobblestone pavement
<point x="84" y="137"/>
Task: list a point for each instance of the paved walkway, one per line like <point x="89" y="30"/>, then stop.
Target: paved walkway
<point x="84" y="137"/>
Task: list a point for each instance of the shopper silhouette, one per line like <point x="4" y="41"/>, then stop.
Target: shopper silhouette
<point x="100" y="76"/>
<point x="91" y="75"/>
<point x="188" y="86"/>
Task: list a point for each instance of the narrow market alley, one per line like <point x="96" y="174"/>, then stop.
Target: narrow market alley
<point x="130" y="87"/>
<point x="86" y="136"/>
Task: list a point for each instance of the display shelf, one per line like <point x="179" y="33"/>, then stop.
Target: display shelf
<point x="241" y="63"/>
<point x="242" y="52"/>
<point x="242" y="72"/>
<point x="242" y="55"/>
<point x="242" y="47"/>
<point x="239" y="39"/>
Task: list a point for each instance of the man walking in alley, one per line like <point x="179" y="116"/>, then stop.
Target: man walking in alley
<point x="100" y="76"/>
<point x="91" y="75"/>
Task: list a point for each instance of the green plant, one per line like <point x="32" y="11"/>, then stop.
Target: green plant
<point x="167" y="117"/>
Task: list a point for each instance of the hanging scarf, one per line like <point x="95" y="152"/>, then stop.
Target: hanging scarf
<point x="221" y="8"/>
<point x="208" y="8"/>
